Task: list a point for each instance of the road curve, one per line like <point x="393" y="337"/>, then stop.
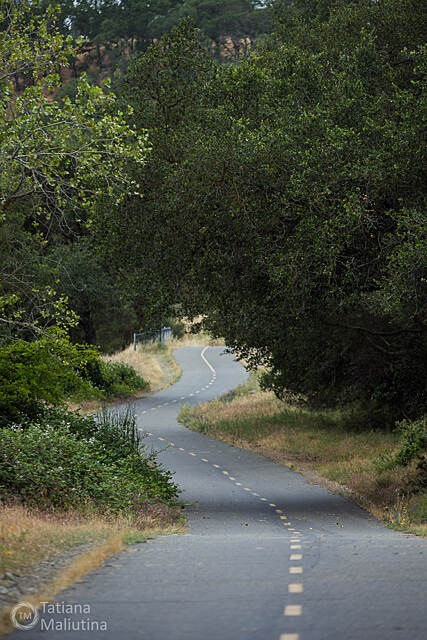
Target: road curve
<point x="268" y="555"/>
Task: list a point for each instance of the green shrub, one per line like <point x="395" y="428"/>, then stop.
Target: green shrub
<point x="51" y="370"/>
<point x="45" y="370"/>
<point x="413" y="449"/>
<point x="112" y="379"/>
<point x="414" y="441"/>
<point x="177" y="328"/>
<point x="70" y="461"/>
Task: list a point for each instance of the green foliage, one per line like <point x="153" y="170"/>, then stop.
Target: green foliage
<point x="287" y="200"/>
<point x="413" y="450"/>
<point x="63" y="155"/>
<point x="165" y="86"/>
<point x="419" y="510"/>
<point x="414" y="442"/>
<point x="45" y="370"/>
<point x="59" y="158"/>
<point x="106" y="318"/>
<point x="134" y="24"/>
<point x="51" y="370"/>
<point x="67" y="461"/>
<point x="177" y="328"/>
<point x="112" y="379"/>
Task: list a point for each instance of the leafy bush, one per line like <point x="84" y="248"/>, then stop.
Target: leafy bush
<point x="51" y="370"/>
<point x="41" y="371"/>
<point x="414" y="441"/>
<point x="413" y="449"/>
<point x="70" y="461"/>
<point x="113" y="379"/>
<point x="178" y="329"/>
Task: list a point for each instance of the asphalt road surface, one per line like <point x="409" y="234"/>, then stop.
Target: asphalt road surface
<point x="268" y="555"/>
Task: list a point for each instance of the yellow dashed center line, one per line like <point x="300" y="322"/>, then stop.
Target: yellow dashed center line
<point x="293" y="610"/>
<point x="295" y="587"/>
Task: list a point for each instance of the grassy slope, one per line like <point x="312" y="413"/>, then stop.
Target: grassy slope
<point x="316" y="443"/>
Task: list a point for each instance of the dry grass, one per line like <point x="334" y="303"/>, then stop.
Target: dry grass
<point x="154" y="362"/>
<point x="317" y="443"/>
<point x="28" y="537"/>
<point x="200" y="339"/>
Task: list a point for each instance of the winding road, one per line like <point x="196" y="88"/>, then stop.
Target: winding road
<point x="268" y="555"/>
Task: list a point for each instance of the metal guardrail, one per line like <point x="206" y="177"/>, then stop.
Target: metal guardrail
<point x="162" y="335"/>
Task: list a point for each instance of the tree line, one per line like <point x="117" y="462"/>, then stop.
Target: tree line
<point x="108" y="32"/>
<point x="280" y="196"/>
<point x="284" y="199"/>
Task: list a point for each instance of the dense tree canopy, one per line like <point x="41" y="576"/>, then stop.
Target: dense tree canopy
<point x="284" y="197"/>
